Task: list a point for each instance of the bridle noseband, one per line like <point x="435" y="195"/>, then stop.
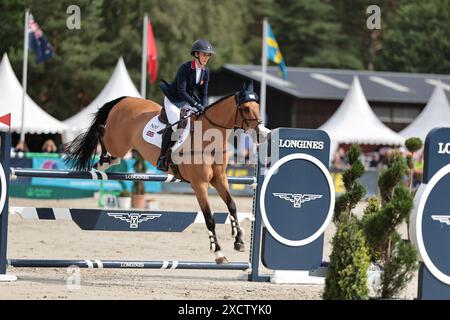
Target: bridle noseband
<point x="239" y="109"/>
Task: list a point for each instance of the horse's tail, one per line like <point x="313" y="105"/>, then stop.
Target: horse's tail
<point x="79" y="152"/>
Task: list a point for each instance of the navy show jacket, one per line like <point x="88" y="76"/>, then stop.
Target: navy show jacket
<point x="182" y="89"/>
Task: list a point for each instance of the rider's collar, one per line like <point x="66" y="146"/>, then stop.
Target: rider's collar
<point x="193" y="65"/>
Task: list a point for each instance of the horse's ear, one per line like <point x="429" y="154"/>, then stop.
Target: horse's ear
<point x="250" y="86"/>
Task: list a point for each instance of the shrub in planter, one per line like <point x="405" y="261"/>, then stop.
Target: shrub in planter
<point x="396" y="257"/>
<point x="347" y="271"/>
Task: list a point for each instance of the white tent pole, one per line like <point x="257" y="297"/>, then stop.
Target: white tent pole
<point x="24" y="73"/>
<point x="263" y="72"/>
<point x="144" y="58"/>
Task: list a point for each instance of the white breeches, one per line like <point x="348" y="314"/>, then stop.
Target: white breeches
<point x="173" y="112"/>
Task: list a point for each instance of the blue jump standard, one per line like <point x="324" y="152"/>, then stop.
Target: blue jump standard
<point x="122" y="176"/>
<point x="126" y="264"/>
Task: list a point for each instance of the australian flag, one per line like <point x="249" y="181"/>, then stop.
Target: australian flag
<point x="38" y="42"/>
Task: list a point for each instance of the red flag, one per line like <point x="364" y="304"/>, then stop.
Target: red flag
<point x="6" y="119"/>
<point x="152" y="54"/>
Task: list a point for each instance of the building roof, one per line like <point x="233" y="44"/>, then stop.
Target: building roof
<point x="36" y="119"/>
<point x="333" y="84"/>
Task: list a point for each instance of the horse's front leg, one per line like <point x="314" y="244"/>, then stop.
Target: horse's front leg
<point x="221" y="185"/>
<point x="201" y="191"/>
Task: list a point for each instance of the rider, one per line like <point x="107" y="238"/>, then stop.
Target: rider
<point x="181" y="92"/>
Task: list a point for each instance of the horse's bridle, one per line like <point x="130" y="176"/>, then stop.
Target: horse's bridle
<point x="239" y="108"/>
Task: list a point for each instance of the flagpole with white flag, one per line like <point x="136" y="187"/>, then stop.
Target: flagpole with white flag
<point x="263" y="72"/>
<point x="144" y="58"/>
<point x="24" y="74"/>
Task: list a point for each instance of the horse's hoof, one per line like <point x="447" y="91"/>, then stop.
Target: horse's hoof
<point x="221" y="260"/>
<point x="239" y="246"/>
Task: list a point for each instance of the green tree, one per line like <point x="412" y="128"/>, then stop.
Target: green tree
<point x="418" y="40"/>
<point x="77" y="72"/>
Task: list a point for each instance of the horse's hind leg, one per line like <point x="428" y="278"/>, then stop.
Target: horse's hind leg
<point x="106" y="160"/>
<point x="201" y="191"/>
<point x="221" y="185"/>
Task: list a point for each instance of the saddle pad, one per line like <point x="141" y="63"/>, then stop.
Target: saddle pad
<point x="151" y="135"/>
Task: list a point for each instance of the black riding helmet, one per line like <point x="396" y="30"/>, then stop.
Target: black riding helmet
<point x="202" y="45"/>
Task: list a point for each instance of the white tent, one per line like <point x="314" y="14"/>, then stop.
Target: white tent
<point x="435" y="114"/>
<point x="355" y="122"/>
<point x="36" y="120"/>
<point x="119" y="85"/>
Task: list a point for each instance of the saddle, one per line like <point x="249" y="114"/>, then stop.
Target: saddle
<point x="181" y="125"/>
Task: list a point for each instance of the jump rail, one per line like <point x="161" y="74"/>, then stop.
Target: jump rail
<point x="99" y="175"/>
<point x="126" y="264"/>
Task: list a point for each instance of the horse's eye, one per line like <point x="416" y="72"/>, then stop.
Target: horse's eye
<point x="246" y="110"/>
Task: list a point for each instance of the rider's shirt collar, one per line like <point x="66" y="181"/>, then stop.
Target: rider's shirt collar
<point x="193" y="65"/>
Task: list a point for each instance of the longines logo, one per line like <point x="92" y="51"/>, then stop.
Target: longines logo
<point x="134" y="218"/>
<point x="131" y="265"/>
<point x="137" y="176"/>
<point x="444" y="148"/>
<point x="297" y="198"/>
<point x="300" y="144"/>
<point x="442" y="219"/>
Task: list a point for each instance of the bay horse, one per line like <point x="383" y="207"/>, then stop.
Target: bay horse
<point x="118" y="126"/>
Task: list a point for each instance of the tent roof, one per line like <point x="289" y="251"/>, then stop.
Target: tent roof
<point x="435" y="114"/>
<point x="119" y="85"/>
<point x="355" y="122"/>
<point x="36" y="120"/>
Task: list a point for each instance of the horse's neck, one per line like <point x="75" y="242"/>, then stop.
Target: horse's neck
<point x="221" y="116"/>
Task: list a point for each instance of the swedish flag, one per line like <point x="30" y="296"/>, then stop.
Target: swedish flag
<point x="273" y="51"/>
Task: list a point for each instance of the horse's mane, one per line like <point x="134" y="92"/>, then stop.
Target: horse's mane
<point x="221" y="99"/>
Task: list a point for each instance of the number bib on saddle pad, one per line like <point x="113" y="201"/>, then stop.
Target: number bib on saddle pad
<point x="151" y="135"/>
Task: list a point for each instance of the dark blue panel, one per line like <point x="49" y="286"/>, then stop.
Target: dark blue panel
<point x="436" y="233"/>
<point x="296" y="177"/>
<point x="45" y="213"/>
<point x="283" y="257"/>
<point x="305" y="137"/>
<point x="435" y="155"/>
<point x="220" y="217"/>
<point x="431" y="288"/>
<point x="116" y="220"/>
<point x="304" y="183"/>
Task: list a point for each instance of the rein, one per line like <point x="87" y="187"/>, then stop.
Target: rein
<point x="239" y="109"/>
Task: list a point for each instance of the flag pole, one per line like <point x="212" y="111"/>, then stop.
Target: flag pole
<point x="24" y="74"/>
<point x="263" y="72"/>
<point x="144" y="58"/>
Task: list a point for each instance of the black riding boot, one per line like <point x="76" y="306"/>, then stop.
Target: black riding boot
<point x="162" y="161"/>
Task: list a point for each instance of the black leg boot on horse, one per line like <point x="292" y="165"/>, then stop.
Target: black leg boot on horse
<point x="162" y="163"/>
